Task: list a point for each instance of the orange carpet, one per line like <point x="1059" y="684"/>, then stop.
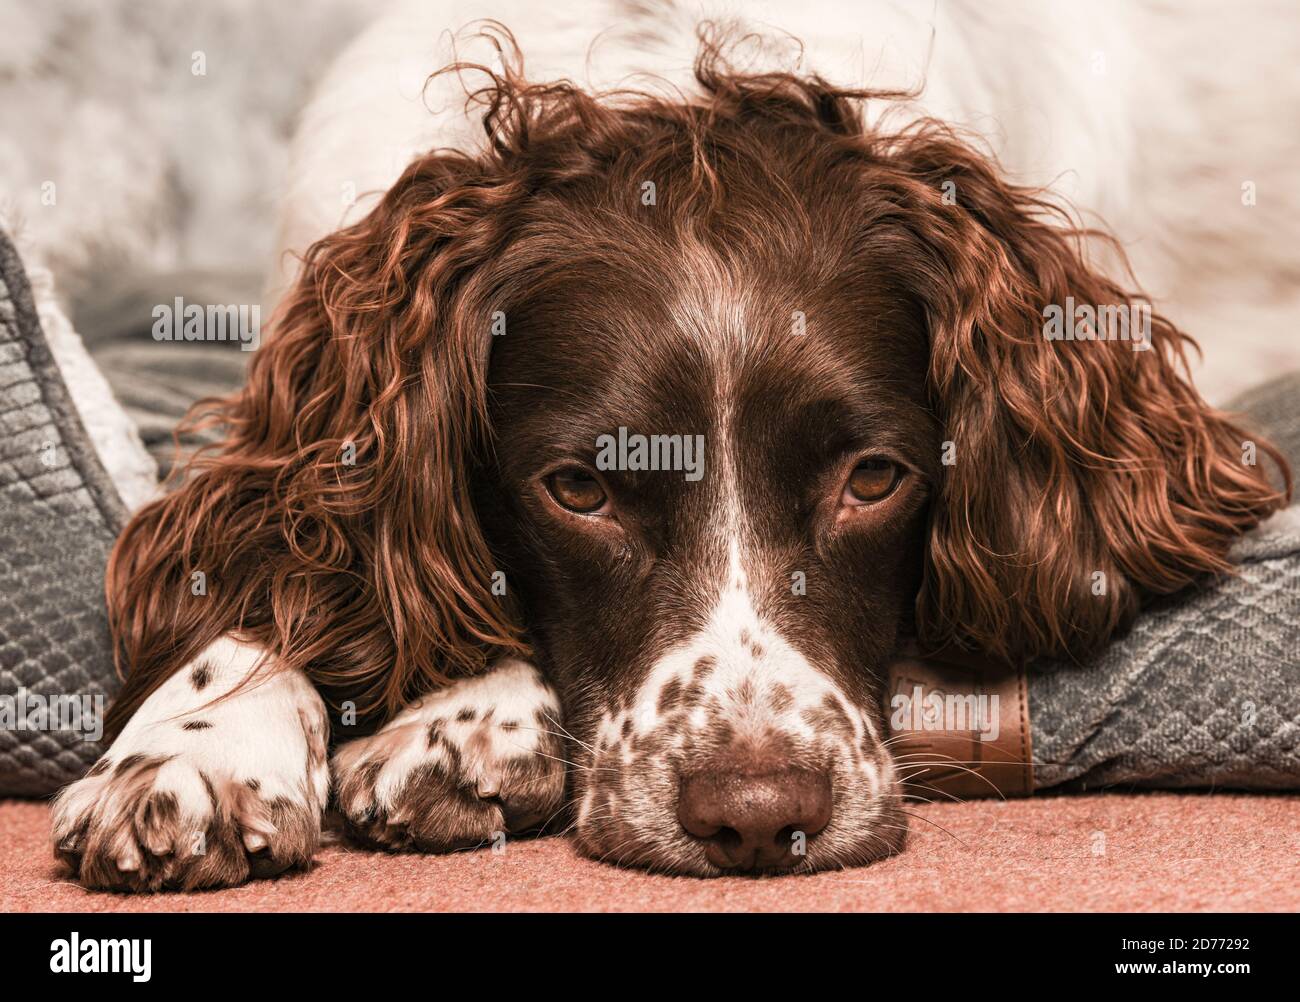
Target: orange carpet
<point x="1100" y="852"/>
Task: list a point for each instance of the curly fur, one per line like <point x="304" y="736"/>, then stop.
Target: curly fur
<point x="373" y="577"/>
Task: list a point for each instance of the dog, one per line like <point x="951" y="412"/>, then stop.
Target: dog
<point x="595" y="473"/>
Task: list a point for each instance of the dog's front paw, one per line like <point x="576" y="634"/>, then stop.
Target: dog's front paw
<point x="206" y="797"/>
<point x="149" y="823"/>
<point x="459" y="767"/>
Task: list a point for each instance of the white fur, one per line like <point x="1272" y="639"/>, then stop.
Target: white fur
<point x="737" y="670"/>
<point x="256" y="733"/>
<point x="513" y="691"/>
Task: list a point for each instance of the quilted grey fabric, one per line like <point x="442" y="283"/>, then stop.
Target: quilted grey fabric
<point x="1205" y="690"/>
<point x="59" y="514"/>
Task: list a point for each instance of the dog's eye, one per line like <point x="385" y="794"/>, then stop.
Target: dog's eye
<point x="871" y="480"/>
<point x="576" y="490"/>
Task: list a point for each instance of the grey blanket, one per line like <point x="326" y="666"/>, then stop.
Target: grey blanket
<point x="1204" y="692"/>
<point x="59" y="514"/>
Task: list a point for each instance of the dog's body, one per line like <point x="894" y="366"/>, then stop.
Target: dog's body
<point x="845" y="314"/>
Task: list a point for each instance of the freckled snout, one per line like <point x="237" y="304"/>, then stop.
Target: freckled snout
<point x="754" y="822"/>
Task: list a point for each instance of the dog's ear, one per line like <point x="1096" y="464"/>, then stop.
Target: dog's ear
<point x="332" y="521"/>
<point x="1079" y="476"/>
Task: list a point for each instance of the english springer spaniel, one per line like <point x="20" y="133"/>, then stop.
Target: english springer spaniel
<point x="591" y="477"/>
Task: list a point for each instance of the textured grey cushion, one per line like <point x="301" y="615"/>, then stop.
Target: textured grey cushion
<point x="59" y="513"/>
<point x="1274" y="408"/>
<point x="1205" y="690"/>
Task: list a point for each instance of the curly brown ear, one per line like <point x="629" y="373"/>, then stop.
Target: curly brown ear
<point x="331" y="522"/>
<point x="1085" y="475"/>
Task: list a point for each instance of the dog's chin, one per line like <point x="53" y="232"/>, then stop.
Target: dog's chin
<point x="865" y="828"/>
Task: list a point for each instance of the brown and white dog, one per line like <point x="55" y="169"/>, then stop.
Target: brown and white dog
<point x="599" y="468"/>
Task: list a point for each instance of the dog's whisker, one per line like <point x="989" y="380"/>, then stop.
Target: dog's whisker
<point x="554" y="734"/>
<point x="934" y="789"/>
<point x="922" y="767"/>
<point x="567" y="733"/>
<point x="921" y="817"/>
<point x="565" y="761"/>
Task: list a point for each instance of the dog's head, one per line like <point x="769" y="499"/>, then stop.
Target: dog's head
<point x="708" y="404"/>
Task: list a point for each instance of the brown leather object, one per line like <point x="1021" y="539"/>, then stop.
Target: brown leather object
<point x="959" y="725"/>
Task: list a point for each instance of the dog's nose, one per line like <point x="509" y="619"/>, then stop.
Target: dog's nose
<point x="755" y="822"/>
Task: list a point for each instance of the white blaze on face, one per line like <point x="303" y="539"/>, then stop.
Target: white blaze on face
<point x="760" y="681"/>
<point x="738" y="673"/>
